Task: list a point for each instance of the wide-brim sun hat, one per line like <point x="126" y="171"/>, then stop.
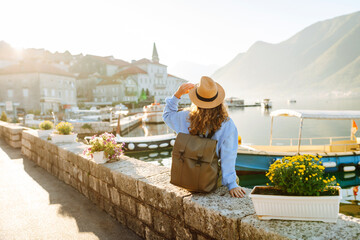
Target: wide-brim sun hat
<point x="207" y="93"/>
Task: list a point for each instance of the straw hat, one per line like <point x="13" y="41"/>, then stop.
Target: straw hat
<point x="207" y="93"/>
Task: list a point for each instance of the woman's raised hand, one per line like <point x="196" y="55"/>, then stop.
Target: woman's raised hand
<point x="183" y="89"/>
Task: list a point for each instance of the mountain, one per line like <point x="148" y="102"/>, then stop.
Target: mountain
<point x="322" y="60"/>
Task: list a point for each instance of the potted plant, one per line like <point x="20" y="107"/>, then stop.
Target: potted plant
<point x="299" y="191"/>
<point x="63" y="133"/>
<point x="104" y="148"/>
<point x="46" y="128"/>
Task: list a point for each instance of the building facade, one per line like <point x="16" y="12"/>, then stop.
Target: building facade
<point x="37" y="87"/>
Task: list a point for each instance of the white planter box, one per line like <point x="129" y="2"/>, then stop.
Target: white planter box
<point x="99" y="157"/>
<point x="57" y="138"/>
<point x="322" y="208"/>
<point x="45" y="133"/>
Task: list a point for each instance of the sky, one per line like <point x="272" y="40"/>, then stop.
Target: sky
<point x="203" y="34"/>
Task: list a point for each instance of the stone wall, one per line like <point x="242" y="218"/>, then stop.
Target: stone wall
<point x="139" y="195"/>
<point x="11" y="133"/>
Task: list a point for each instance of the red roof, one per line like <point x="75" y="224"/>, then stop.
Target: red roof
<point x="35" y="67"/>
<point x="130" y="71"/>
<point x="108" y="82"/>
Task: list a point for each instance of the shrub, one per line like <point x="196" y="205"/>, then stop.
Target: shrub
<point x="3" y="117"/>
<point x="87" y="126"/>
<point x="105" y="142"/>
<point x="300" y="175"/>
<point x="46" y="125"/>
<point x="64" y="128"/>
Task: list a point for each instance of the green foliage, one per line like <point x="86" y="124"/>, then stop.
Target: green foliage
<point x="46" y="125"/>
<point x="3" y="117"/>
<point x="87" y="126"/>
<point x="64" y="128"/>
<point x="301" y="175"/>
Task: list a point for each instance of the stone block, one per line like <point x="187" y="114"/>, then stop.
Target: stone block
<point x="128" y="204"/>
<point x="104" y="189"/>
<point x="346" y="227"/>
<point x="129" y="170"/>
<point x="55" y="159"/>
<point x="115" y="196"/>
<point x="126" y="183"/>
<point x="61" y="163"/>
<point x="151" y="235"/>
<point x="63" y="153"/>
<point x="105" y="174"/>
<point x="181" y="231"/>
<point x="54" y="171"/>
<point x="84" y="190"/>
<point x="48" y="167"/>
<point x="136" y="225"/>
<point x="72" y="157"/>
<point x="74" y="171"/>
<point x="26" y="143"/>
<point x="217" y="214"/>
<point x="120" y="216"/>
<point x="67" y="178"/>
<point x="94" y="183"/>
<point x="61" y="175"/>
<point x="83" y="163"/>
<point x="15" y="144"/>
<point x="163" y="224"/>
<point x="144" y="213"/>
<point x="94" y="169"/>
<point x="159" y="193"/>
<point x="94" y="197"/>
<point x="16" y="137"/>
<point x="109" y="208"/>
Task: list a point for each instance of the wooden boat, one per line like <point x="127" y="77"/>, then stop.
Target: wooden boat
<point x="153" y="113"/>
<point x="342" y="153"/>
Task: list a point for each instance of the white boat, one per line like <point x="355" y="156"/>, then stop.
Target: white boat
<point x="147" y="143"/>
<point x="234" y="102"/>
<point x="153" y="113"/>
<point x="266" y="103"/>
<point x="342" y="153"/>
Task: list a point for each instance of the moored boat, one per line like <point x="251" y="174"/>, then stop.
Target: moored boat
<point x="153" y="113"/>
<point x="341" y="153"/>
<point x="234" y="102"/>
<point x="266" y="103"/>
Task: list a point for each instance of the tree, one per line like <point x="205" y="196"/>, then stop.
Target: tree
<point x="143" y="95"/>
<point x="3" y="117"/>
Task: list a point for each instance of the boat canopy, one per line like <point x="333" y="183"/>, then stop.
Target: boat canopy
<point x="316" y="114"/>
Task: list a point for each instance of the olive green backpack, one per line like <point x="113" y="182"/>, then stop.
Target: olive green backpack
<point x="195" y="163"/>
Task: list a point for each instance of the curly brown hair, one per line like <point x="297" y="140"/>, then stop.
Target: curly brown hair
<point x="206" y="120"/>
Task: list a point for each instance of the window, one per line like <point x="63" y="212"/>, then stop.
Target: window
<point x="25" y="92"/>
<point x="59" y="94"/>
<point x="10" y="93"/>
<point x="45" y="92"/>
<point x="53" y="92"/>
<point x="95" y="99"/>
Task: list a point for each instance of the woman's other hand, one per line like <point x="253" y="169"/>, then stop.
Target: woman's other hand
<point x="237" y="192"/>
<point x="183" y="89"/>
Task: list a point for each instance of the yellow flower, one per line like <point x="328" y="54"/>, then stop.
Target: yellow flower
<point x="306" y="179"/>
<point x="324" y="181"/>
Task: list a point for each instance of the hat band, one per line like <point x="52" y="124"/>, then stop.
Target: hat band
<point x="206" y="99"/>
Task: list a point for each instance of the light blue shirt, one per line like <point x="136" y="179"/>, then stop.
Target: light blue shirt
<point x="226" y="136"/>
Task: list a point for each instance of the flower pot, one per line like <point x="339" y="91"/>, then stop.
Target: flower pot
<point x="57" y="138"/>
<point x="99" y="157"/>
<point x="45" y="133"/>
<point x="306" y="208"/>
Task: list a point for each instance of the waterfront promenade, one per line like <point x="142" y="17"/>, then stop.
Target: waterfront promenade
<point x="36" y="205"/>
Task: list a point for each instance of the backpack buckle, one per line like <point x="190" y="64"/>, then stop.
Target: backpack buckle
<point x="198" y="162"/>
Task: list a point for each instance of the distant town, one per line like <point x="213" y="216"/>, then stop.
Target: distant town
<point x="40" y="82"/>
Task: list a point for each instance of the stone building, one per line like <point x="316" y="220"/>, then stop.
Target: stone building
<point x="37" y="86"/>
<point x="137" y="78"/>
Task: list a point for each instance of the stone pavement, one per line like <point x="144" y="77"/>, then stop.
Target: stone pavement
<point x="36" y="205"/>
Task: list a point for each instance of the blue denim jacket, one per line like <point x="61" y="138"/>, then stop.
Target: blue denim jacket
<point x="227" y="137"/>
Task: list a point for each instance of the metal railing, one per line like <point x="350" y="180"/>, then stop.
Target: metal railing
<point x="311" y="139"/>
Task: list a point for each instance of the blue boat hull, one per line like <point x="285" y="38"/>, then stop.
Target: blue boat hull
<point x="252" y="162"/>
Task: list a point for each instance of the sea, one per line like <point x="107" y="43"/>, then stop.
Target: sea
<point x="254" y="124"/>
